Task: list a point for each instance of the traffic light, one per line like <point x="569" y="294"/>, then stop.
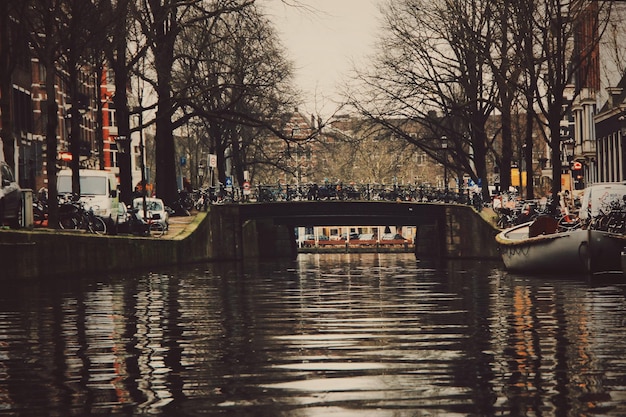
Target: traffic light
<point x="578" y="175"/>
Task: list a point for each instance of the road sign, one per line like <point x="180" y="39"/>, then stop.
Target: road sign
<point x="246" y="187"/>
<point x="212" y="160"/>
<point x="576" y="165"/>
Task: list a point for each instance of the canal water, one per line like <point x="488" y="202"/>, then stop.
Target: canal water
<point x="342" y="335"/>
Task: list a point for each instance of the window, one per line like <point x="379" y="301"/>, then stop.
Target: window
<point x="112" y="117"/>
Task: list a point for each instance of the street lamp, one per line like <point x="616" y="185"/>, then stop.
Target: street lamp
<point x="444" y="147"/>
<point x="123" y="162"/>
<point x="122" y="144"/>
<point x="142" y="164"/>
<point x="568" y="150"/>
<point x="295" y="131"/>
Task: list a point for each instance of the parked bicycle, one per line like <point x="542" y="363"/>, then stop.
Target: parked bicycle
<point x="140" y="227"/>
<point x="74" y="215"/>
<point x="40" y="207"/>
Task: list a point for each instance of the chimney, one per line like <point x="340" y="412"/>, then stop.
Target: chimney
<point x="614" y="95"/>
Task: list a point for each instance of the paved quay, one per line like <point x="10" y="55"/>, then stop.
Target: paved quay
<point x="179" y="225"/>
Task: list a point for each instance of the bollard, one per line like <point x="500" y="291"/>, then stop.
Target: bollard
<point x="27" y="220"/>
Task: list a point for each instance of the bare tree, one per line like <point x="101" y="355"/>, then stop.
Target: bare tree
<point x="462" y="59"/>
<point x="564" y="55"/>
<point x="433" y="68"/>
<point x="126" y="49"/>
<point x="13" y="48"/>
<point x="78" y="40"/>
<point x="237" y="80"/>
<point x="506" y="69"/>
<point x="162" y="22"/>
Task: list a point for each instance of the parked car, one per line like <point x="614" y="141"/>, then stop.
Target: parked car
<point x="155" y="209"/>
<point x="392" y="236"/>
<point x="122" y="218"/>
<point x="312" y="237"/>
<point x="10" y="197"/>
<point x="353" y="236"/>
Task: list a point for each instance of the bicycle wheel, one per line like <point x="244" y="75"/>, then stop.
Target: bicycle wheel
<point x="68" y="223"/>
<point x="97" y="225"/>
<point x="156" y="229"/>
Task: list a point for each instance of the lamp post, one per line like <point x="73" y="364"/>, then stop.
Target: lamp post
<point x="524" y="171"/>
<point x="73" y="125"/>
<point x="444" y="147"/>
<point x="139" y="111"/>
<point x="201" y="173"/>
<point x="296" y="131"/>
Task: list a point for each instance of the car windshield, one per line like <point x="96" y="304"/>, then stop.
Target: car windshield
<point x="150" y="205"/>
<point x="88" y="185"/>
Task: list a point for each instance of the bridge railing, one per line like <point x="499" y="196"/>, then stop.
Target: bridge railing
<point x="332" y="191"/>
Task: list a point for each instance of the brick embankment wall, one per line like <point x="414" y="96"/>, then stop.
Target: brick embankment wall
<point x="470" y="234"/>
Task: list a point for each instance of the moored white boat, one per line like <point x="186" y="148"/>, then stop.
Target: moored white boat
<point x="538" y="246"/>
<point x="577" y="251"/>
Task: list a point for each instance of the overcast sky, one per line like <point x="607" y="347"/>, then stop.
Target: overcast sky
<point x="323" y="42"/>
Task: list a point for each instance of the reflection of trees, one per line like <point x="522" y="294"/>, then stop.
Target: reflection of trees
<point x="373" y="330"/>
<point x="543" y="344"/>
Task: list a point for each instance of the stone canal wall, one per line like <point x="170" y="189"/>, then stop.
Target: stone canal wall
<point x="39" y="253"/>
<point x="469" y="234"/>
<point x="214" y="236"/>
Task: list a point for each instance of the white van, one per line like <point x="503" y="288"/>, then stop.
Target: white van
<point x="98" y="190"/>
<point x="599" y="197"/>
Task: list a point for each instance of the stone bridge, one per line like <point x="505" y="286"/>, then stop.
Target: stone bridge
<point x="443" y="230"/>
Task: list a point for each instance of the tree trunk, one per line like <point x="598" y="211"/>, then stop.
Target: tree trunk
<point x="555" y="147"/>
<point x="166" y="30"/>
<point x="120" y="101"/>
<point x="165" y="150"/>
<point x="51" y="145"/>
<point x="6" y="88"/>
<point x="99" y="117"/>
<point x="75" y="136"/>
<point x="530" y="189"/>
<point x="507" y="145"/>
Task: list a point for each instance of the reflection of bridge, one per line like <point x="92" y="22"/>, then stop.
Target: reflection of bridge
<point x="267" y="229"/>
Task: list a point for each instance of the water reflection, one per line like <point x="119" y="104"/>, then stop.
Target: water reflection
<point x="342" y="335"/>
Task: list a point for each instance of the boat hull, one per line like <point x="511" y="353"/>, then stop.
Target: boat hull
<point x="573" y="252"/>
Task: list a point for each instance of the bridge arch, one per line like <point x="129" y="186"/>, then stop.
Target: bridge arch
<point x="444" y="230"/>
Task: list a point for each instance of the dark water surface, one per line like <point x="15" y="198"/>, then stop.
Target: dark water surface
<point x="362" y="335"/>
